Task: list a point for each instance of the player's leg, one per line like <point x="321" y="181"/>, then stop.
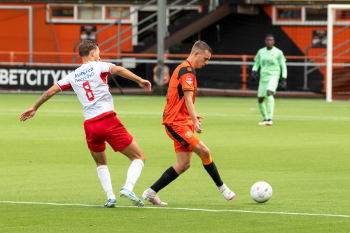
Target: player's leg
<point x="137" y="157"/>
<point x="184" y="140"/>
<point x="271" y="90"/>
<point x="203" y="152"/>
<point x="270" y="106"/>
<point x="262" y="108"/>
<point x="97" y="148"/>
<point x="104" y="176"/>
<point x="182" y="164"/>
<point x="261" y="97"/>
<point x="120" y="140"/>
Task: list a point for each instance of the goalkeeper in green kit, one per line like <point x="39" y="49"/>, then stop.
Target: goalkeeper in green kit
<point x="271" y="61"/>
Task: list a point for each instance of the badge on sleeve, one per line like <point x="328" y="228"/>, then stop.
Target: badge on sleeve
<point x="189" y="80"/>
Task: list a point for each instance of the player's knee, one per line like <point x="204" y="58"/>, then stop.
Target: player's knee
<point x="260" y="100"/>
<point x="141" y="156"/>
<point x="137" y="154"/>
<point x="269" y="93"/>
<point x="100" y="163"/>
<point x="185" y="166"/>
<point x="206" y="153"/>
<point x="182" y="166"/>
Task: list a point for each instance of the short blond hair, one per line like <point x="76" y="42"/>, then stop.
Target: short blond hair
<point x="201" y="46"/>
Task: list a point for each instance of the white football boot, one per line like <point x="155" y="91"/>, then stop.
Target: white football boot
<point x="262" y="122"/>
<point x="227" y="193"/>
<point x="131" y="196"/>
<point x="111" y="202"/>
<point x="269" y="122"/>
<point x="152" y="197"/>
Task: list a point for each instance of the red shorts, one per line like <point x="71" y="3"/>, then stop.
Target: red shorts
<point x="108" y="129"/>
<point x="183" y="136"/>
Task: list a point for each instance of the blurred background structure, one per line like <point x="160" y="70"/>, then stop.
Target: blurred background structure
<point x="39" y="42"/>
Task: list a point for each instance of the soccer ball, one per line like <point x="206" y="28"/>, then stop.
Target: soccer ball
<point x="261" y="192"/>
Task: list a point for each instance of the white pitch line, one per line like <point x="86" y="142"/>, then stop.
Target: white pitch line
<point x="123" y="115"/>
<point x="171" y="208"/>
<point x="43" y="203"/>
<point x="207" y="115"/>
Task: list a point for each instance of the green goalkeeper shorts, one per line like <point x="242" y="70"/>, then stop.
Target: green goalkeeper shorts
<point x="270" y="85"/>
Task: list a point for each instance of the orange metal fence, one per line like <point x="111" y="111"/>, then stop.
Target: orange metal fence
<point x="12" y="58"/>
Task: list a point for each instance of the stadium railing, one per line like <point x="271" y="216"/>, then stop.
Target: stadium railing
<point x="241" y="63"/>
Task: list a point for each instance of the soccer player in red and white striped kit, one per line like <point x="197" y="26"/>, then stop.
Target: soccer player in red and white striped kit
<point x="89" y="82"/>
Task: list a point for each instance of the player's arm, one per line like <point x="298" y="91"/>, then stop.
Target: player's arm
<point x="283" y="81"/>
<point x="190" y="108"/>
<point x="282" y="61"/>
<point x="255" y="68"/>
<point x="121" y="71"/>
<point x="45" y="97"/>
<point x="256" y="62"/>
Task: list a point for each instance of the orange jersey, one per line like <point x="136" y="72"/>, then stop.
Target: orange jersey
<point x="183" y="79"/>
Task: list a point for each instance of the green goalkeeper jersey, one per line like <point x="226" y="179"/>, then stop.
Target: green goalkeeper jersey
<point x="271" y="62"/>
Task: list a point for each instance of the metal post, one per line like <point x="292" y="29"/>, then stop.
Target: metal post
<point x="30" y="34"/>
<point x="329" y="54"/>
<point x="30" y="19"/>
<point x="166" y="19"/>
<point x="119" y="38"/>
<point x="325" y="76"/>
<point x="305" y="68"/>
<point x="12" y="57"/>
<point x="244" y="73"/>
<point x="160" y="40"/>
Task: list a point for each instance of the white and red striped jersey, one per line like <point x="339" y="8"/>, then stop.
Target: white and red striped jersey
<point x="89" y="82"/>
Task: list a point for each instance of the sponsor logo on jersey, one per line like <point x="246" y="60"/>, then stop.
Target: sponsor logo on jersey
<point x="272" y="54"/>
<point x="82" y="76"/>
<point x="189" y="80"/>
<point x="188" y="134"/>
<point x="84" y="72"/>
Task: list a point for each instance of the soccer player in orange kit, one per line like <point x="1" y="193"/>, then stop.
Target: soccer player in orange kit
<point x="180" y="121"/>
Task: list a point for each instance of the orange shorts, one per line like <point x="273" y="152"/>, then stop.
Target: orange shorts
<point x="183" y="136"/>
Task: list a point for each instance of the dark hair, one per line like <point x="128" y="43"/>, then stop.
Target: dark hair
<point x="269" y="35"/>
<point x="86" y="46"/>
<point x="201" y="46"/>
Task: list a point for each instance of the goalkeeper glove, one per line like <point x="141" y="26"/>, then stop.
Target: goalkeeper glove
<point x="283" y="84"/>
<point x="254" y="76"/>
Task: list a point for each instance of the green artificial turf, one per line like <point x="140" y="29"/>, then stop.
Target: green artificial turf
<point x="304" y="156"/>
